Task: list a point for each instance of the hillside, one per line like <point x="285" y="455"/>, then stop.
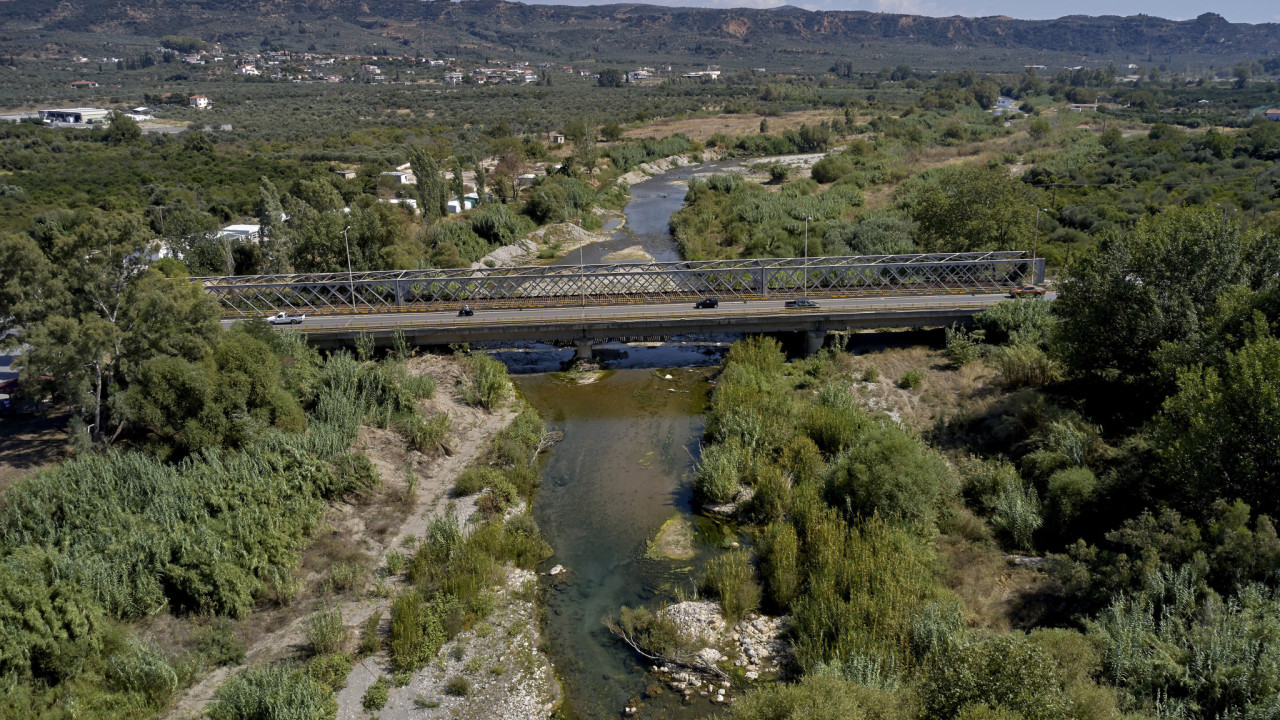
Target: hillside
<point x="624" y="32"/>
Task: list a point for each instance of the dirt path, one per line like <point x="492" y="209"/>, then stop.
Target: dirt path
<point x="371" y="529"/>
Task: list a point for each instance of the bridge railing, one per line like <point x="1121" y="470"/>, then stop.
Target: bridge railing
<point x="618" y="283"/>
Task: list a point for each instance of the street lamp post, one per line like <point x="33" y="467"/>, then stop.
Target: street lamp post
<point x="805" y="290"/>
<point x="351" y="284"/>
<point x="1035" y="242"/>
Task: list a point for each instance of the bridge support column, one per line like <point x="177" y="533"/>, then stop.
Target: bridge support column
<point x="583" y="350"/>
<point x="813" y="340"/>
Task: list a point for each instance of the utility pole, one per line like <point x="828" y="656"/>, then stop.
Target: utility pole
<point x="1036" y="241"/>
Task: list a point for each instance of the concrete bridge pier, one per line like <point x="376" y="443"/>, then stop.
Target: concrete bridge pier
<point x="583" y="350"/>
<point x="813" y="341"/>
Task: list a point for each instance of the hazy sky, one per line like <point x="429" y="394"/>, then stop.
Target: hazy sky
<point x="1250" y="11"/>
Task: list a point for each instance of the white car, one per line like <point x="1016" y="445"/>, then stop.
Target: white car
<point x="284" y="318"/>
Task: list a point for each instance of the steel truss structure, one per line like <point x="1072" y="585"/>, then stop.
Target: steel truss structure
<point x="621" y="283"/>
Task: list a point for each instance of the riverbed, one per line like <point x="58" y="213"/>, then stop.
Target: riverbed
<point x="622" y="471"/>
<point x="649" y="216"/>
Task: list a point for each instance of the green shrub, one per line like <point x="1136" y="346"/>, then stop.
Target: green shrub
<point x="370" y="640"/>
<point x="355" y="475"/>
<point x="488" y="386"/>
<point x="395" y="562"/>
<point x="1016" y="514"/>
<point x="1025" y="365"/>
<point x="651" y="632"/>
<point x="962" y="346"/>
<point x="345" y="577"/>
<point x="475" y="479"/>
<point x="500" y="496"/>
<point x="375" y="697"/>
<point x="911" y="380"/>
<point x="326" y="632"/>
<point x="731" y="578"/>
<point x="719" y="471"/>
<point x="871" y="374"/>
<point x="1006" y="671"/>
<point x="833" y="429"/>
<point x="1069" y="491"/>
<point x="217" y="642"/>
<point x="458" y="686"/>
<point x="426" y="436"/>
<point x="416" y="631"/>
<point x="772" y="496"/>
<point x="863" y="585"/>
<point x="822" y="698"/>
<point x="891" y="474"/>
<point x="982" y="481"/>
<point x="831" y="168"/>
<point x="1029" y="321"/>
<point x="330" y="671"/>
<point x="272" y="692"/>
<point x="779" y="550"/>
<point x="139" y="668"/>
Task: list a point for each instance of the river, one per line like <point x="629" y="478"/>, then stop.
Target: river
<point x="631" y="440"/>
<point x="622" y="470"/>
<point x="649" y="216"/>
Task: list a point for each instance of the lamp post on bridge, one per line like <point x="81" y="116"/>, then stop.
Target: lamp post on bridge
<point x="805" y="291"/>
<point x="1035" y="242"/>
<point x="351" y="284"/>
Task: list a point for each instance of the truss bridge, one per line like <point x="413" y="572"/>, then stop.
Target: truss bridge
<point x="652" y="283"/>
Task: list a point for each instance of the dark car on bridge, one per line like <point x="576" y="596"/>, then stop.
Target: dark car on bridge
<point x="802" y="303"/>
<point x="706" y="303"/>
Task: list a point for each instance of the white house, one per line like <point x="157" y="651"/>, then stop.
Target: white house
<point x="248" y="233"/>
<point x="406" y="202"/>
<point x="247" y="71"/>
<point x="199" y="102"/>
<point x="452" y="78"/>
<point x="457" y="206"/>
<point x="398" y="177"/>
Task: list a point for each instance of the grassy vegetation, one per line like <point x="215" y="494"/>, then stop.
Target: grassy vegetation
<point x="452" y="573"/>
<point x="117" y="536"/>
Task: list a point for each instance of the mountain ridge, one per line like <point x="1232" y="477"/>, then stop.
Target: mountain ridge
<point x="710" y="33"/>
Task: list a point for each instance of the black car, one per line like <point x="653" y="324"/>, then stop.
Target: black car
<point x="708" y="303"/>
<point x="802" y="303"/>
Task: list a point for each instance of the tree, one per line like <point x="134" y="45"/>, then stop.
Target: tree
<point x="1218" y="432"/>
<point x="102" y="314"/>
<point x="872" y="235"/>
<point x="430" y="186"/>
<point x="963" y="209"/>
<point x="1152" y="285"/>
<point x="122" y="129"/>
<point x="481" y="192"/>
<point x="585" y="154"/>
<point x="456" y="185"/>
<point x="1039" y="129"/>
<point x="575" y="131"/>
<point x="1242" y="73"/>
<point x="275" y="239"/>
<point x="611" y="77"/>
<point x="611" y="132"/>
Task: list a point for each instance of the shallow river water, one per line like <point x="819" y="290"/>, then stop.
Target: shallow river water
<point x="621" y="471"/>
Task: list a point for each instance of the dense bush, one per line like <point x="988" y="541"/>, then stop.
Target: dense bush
<point x="888" y="473"/>
<point x="731" y="579"/>
<point x="272" y="692"/>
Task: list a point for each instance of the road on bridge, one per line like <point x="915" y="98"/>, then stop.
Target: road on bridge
<point x="328" y="324"/>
